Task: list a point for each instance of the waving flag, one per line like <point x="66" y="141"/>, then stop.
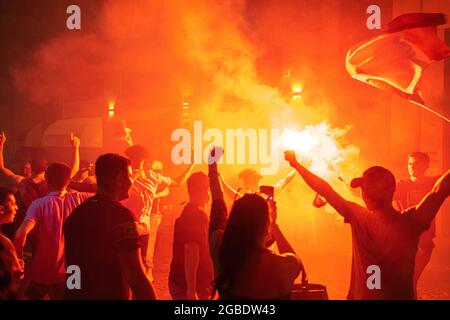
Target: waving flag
<point x="395" y="60"/>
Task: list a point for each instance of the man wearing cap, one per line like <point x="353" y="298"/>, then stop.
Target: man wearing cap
<point x="382" y="236"/>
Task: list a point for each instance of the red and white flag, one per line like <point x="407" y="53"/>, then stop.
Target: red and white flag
<point x="395" y="60"/>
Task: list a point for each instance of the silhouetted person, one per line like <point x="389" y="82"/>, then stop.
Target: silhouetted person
<point x="11" y="268"/>
<point x="245" y="268"/>
<point x="46" y="216"/>
<point x="102" y="239"/>
<point x="409" y="192"/>
<point x="191" y="270"/>
<point x="26" y="169"/>
<point x="155" y="217"/>
<point x="8" y="289"/>
<point x="142" y="194"/>
<point x="35" y="186"/>
<point x="382" y="237"/>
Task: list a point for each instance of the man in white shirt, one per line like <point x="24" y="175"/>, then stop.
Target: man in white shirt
<point x="46" y="217"/>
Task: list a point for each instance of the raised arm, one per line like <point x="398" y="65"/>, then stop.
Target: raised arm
<point x="281" y="184"/>
<point x="219" y="213"/>
<point x="11" y="177"/>
<point x="162" y="193"/>
<point x="293" y="262"/>
<point x="227" y="188"/>
<point x="214" y="181"/>
<point x="319" y="185"/>
<point x="75" y="142"/>
<point x="427" y="209"/>
<point x="182" y="178"/>
<point x="127" y="137"/>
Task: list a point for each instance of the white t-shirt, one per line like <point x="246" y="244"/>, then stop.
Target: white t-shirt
<point x="49" y="214"/>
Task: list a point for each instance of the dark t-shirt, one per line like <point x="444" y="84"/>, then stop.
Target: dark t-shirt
<point x="191" y="227"/>
<point x="389" y="242"/>
<point x="95" y="233"/>
<point x="33" y="191"/>
<point x="409" y="193"/>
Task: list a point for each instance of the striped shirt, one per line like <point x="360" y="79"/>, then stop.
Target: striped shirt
<point x="142" y="194"/>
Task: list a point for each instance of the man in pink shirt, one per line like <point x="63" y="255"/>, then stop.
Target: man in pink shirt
<point x="46" y="217"/>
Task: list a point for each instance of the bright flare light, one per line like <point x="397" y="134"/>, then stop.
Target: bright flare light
<point x="318" y="145"/>
<point x="296" y="89"/>
<point x="299" y="141"/>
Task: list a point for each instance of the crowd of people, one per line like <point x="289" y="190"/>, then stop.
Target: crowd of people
<point x="103" y="219"/>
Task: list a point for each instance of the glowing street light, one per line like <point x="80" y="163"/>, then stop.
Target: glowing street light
<point x="296" y="91"/>
<point x="111" y="109"/>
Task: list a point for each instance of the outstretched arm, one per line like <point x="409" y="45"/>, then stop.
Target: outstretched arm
<point x="128" y="138"/>
<point x="75" y="142"/>
<point x="319" y="185"/>
<point x="11" y="177"/>
<point x="163" y="193"/>
<point x="427" y="209"/>
<point x="281" y="184"/>
<point x="182" y="178"/>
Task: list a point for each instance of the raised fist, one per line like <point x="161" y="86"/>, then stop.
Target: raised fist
<point x="74" y="140"/>
<point x="215" y="154"/>
<point x="290" y="157"/>
<point x="2" y="138"/>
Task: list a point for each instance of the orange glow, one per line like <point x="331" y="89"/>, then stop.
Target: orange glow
<point x="299" y="141"/>
<point x="320" y="146"/>
<point x="111" y="109"/>
<point x="297" y="88"/>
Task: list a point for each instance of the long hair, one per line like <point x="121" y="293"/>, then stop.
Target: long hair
<point x="247" y="224"/>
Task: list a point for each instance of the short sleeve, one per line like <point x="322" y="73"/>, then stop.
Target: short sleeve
<point x="415" y="220"/>
<point x="292" y="263"/>
<point x="32" y="214"/>
<point x="84" y="196"/>
<point x="355" y="214"/>
<point x="125" y="231"/>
